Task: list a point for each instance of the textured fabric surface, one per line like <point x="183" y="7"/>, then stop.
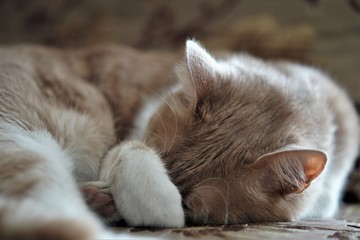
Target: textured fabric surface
<point x="314" y="229"/>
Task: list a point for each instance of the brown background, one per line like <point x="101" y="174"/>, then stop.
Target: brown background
<point x="322" y="32"/>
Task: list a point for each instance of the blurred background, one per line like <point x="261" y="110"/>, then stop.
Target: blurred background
<point x="321" y="32"/>
<point x="325" y="33"/>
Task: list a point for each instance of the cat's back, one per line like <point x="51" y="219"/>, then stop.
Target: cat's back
<point x="331" y="99"/>
<point x="324" y="116"/>
<point x="91" y="80"/>
<point x="45" y="79"/>
<point x="326" y="96"/>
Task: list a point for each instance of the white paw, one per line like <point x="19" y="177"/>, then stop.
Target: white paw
<point x="142" y="190"/>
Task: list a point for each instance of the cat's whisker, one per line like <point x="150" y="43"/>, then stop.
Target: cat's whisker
<point x="215" y="178"/>
<point x="162" y="138"/>
<point x="204" y="208"/>
<point x="196" y="176"/>
<point x="156" y="112"/>
<point x="157" y="135"/>
<point x="222" y="196"/>
<point x="175" y="116"/>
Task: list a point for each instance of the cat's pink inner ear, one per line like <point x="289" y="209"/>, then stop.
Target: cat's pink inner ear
<point x="202" y="68"/>
<point x="291" y="171"/>
<point x="314" y="164"/>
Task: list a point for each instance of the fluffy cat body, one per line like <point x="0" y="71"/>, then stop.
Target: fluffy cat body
<point x="225" y="141"/>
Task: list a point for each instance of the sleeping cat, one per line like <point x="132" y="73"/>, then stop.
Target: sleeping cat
<point x="222" y="141"/>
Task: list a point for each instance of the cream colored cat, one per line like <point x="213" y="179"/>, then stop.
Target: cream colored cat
<point x="226" y="141"/>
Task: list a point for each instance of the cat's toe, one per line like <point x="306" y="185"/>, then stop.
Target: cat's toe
<point x="90" y="190"/>
<point x="100" y="200"/>
<point x="105" y="207"/>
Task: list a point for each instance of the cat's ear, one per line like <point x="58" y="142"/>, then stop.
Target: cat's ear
<point x="203" y="68"/>
<point x="290" y="171"/>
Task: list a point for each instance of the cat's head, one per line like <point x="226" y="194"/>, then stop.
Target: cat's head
<point x="227" y="141"/>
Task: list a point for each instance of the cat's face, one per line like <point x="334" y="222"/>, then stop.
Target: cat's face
<point x="226" y="139"/>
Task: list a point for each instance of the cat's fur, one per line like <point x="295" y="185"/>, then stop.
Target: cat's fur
<point x="225" y="141"/>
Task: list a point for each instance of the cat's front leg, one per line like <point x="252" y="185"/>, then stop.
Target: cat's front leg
<point x="141" y="187"/>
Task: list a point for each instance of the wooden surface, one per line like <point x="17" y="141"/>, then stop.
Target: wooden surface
<point x="345" y="227"/>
